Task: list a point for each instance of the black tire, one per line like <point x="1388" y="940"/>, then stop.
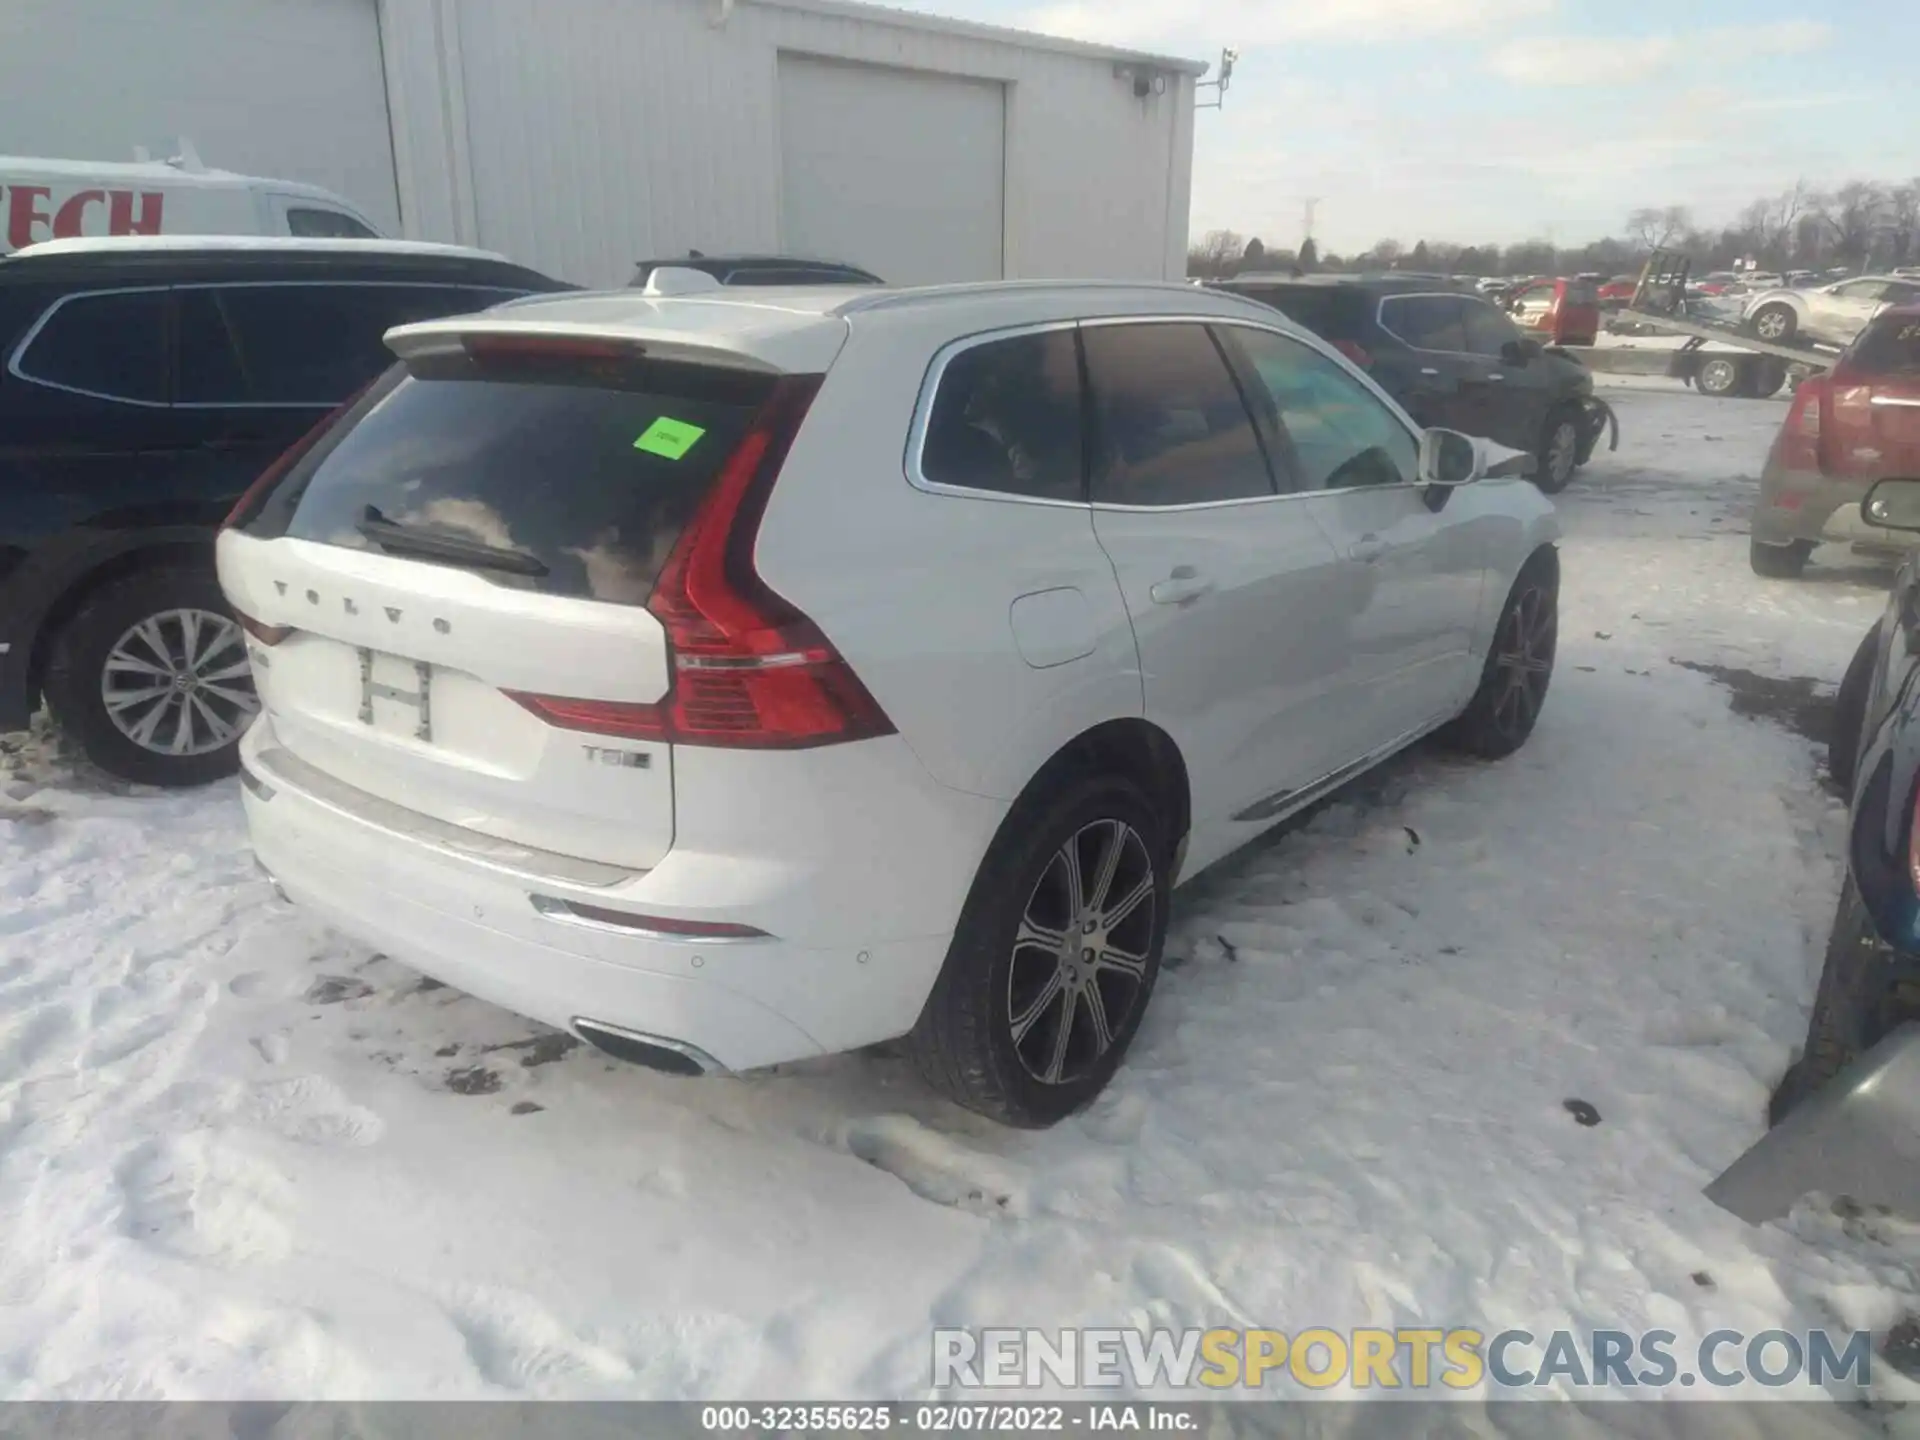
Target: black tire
<point x="964" y="1043"/>
<point x="1779" y="562"/>
<point x="1720" y="376"/>
<point x="78" y="677"/>
<point x="1775" y="323"/>
<point x="1558" y="454"/>
<point x="1518" y="671"/>
<point x="1766" y="376"/>
<point x="1850" y="711"/>
<point x="1862" y="997"/>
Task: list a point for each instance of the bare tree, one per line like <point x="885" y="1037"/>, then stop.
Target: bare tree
<point x="1384" y="255"/>
<point x="1903" y="223"/>
<point x="1853" y="215"/>
<point x="1654" y="228"/>
<point x="1218" y="253"/>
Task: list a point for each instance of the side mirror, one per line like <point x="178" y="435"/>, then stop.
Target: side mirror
<point x="1519" y="352"/>
<point x="1893" y="505"/>
<point x="1449" y="459"/>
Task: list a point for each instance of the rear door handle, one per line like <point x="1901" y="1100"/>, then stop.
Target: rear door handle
<point x="1185" y="585"/>
<point x="1368" y="548"/>
<point x="1496" y="375"/>
<point x="1428" y="370"/>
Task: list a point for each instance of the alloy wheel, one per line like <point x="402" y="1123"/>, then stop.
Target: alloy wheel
<point x="1771" y="326"/>
<point x="1563" y="451"/>
<point x="1079" y="964"/>
<point x="178" y="683"/>
<point x="1523" y="659"/>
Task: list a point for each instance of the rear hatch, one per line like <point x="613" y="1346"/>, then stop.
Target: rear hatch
<point x="447" y="592"/>
<point x="1875" y="401"/>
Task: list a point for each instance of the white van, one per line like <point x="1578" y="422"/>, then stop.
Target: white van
<point x="66" y="199"/>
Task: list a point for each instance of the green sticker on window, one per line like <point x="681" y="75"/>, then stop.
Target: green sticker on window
<point x="669" y="439"/>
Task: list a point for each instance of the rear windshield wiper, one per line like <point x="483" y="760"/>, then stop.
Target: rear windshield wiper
<point x="398" y="539"/>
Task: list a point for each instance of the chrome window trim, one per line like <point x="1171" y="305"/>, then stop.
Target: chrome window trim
<point x="936" y="371"/>
<point x="33" y="333"/>
<point x="923" y="417"/>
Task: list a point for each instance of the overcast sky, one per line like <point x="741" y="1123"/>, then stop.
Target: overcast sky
<point x="1501" y="120"/>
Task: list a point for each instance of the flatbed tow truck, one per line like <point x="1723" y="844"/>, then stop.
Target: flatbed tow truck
<point x="1751" y="368"/>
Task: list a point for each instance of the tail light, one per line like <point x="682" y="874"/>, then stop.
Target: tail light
<point x="1355" y="352"/>
<point x="1801" y="435"/>
<point x="749" y="671"/>
<point x="251" y="498"/>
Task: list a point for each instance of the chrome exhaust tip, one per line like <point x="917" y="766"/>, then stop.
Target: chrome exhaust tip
<point x="654" y="1052"/>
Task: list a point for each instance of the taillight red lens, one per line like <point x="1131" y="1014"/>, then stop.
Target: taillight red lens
<point x="1800" y="436"/>
<point x="1355" y="352"/>
<point x="749" y="670"/>
<point x="250" y="499"/>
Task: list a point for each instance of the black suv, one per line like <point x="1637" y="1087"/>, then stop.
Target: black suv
<point x="147" y="383"/>
<point x="1451" y="359"/>
<point x="760" y="270"/>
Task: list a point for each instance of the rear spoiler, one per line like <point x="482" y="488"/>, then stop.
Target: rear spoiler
<point x="449" y="338"/>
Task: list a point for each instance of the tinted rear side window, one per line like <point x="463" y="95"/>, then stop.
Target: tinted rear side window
<point x="1333" y="312"/>
<point x="1426" y="322"/>
<point x="1172" y="426"/>
<point x="314" y="345"/>
<point x="1007" y="419"/>
<point x="594" y="477"/>
<point x="1890" y="346"/>
<point x="232" y="351"/>
<point x="110" y="345"/>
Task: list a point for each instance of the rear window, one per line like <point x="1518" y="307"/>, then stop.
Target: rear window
<point x="1889" y="346"/>
<point x="1333" y="312"/>
<point x="1582" y="292"/>
<point x="315" y="224"/>
<point x="591" y="476"/>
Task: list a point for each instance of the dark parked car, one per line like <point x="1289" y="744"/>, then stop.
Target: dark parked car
<point x="1453" y="360"/>
<point x="1871" y="980"/>
<point x="148" y="382"/>
<point x="760" y="270"/>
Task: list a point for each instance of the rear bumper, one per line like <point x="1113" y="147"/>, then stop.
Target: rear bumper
<point x="1806" y="505"/>
<point x="819" y="986"/>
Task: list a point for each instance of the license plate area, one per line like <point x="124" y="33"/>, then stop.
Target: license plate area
<point x="396" y="695"/>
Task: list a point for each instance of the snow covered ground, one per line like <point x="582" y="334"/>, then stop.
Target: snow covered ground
<point x="242" y="1157"/>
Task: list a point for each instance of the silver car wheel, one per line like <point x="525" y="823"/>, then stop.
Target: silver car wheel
<point x="178" y="683"/>
<point x="1079" y="963"/>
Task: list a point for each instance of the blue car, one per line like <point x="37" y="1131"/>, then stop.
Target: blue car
<point x="1871" y="981"/>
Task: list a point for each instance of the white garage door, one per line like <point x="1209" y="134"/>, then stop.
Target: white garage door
<point x="899" y="171"/>
<point x="291" y="89"/>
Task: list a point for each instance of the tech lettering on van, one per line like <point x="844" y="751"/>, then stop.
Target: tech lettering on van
<point x="45" y="212"/>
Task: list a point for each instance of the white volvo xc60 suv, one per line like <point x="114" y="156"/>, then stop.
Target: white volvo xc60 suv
<point x="730" y="678"/>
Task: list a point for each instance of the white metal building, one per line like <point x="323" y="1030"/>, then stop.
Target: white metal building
<point x="580" y="135"/>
